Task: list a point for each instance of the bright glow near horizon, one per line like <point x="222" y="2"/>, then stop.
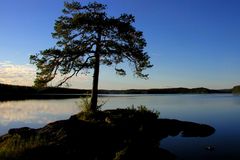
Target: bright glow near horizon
<point x="191" y="43"/>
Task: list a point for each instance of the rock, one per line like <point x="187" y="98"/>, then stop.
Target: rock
<point x="24" y="131"/>
<point x="136" y="134"/>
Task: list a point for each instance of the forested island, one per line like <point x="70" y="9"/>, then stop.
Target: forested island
<point x="236" y="90"/>
<point x="8" y="92"/>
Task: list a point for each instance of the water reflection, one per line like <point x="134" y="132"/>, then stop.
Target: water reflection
<point x="34" y="113"/>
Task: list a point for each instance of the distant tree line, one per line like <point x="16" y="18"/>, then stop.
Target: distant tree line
<point x="26" y="92"/>
<point x="15" y="92"/>
<point x="180" y="90"/>
<point x="16" y="89"/>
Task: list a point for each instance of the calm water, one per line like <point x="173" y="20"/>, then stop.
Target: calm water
<point x="222" y="111"/>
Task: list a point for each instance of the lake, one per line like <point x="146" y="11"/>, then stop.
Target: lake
<point x="222" y="111"/>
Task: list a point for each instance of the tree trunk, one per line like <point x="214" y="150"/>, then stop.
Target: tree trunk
<point x="94" y="96"/>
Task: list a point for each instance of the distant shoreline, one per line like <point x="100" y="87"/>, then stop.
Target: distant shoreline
<point x="13" y="92"/>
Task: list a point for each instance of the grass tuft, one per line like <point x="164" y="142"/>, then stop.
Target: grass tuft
<point x="16" y="145"/>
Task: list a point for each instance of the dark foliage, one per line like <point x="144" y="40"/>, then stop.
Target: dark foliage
<point x="236" y="90"/>
<point x="14" y="92"/>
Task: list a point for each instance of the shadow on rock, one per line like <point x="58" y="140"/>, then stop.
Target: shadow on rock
<point x="122" y="134"/>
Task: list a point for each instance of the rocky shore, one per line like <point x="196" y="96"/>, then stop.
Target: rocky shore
<point x="120" y="134"/>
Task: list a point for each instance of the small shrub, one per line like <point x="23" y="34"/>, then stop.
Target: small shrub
<point x="86" y="113"/>
<point x="144" y="110"/>
<point x="84" y="104"/>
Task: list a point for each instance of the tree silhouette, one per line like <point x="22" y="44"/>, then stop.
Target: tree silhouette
<point x="88" y="37"/>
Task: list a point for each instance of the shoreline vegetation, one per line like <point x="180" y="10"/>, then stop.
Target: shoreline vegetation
<point x="120" y="134"/>
<point x="15" y="92"/>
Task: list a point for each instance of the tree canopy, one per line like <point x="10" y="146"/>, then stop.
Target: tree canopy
<point x="88" y="37"/>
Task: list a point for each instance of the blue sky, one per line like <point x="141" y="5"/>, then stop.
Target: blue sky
<point x="192" y="43"/>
